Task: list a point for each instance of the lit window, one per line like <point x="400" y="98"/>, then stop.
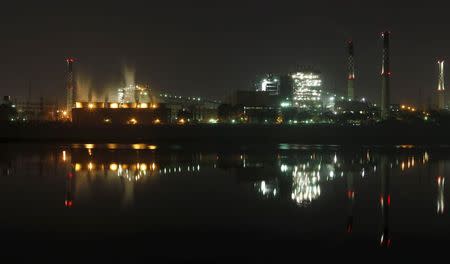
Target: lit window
<point x="132" y="121"/>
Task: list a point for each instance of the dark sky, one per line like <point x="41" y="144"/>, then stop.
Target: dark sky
<point x="211" y="48"/>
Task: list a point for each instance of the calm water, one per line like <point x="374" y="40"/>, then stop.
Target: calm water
<point x="328" y="195"/>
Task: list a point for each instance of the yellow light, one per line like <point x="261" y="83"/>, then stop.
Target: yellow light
<point x="78" y="105"/>
<point x="64" y="113"/>
<point x="143" y="105"/>
<point x="107" y="120"/>
<point x="154" y="105"/>
<point x="90" y="166"/>
<point x="157" y="121"/>
<point x="113" y="166"/>
<point x="64" y="155"/>
<point x="152" y="147"/>
<point x="89" y="146"/>
<point x="138" y="146"/>
<point x="111" y="146"/>
<point x="143" y="166"/>
<point x="181" y="121"/>
<point x="413" y="109"/>
<point x="77" y="167"/>
<point x="132" y="121"/>
<point x="153" y="166"/>
<point x="114" y="105"/>
<point x="279" y="120"/>
<point x="91" y="105"/>
<point x="403" y="106"/>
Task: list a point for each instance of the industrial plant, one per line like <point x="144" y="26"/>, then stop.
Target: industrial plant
<point x="298" y="97"/>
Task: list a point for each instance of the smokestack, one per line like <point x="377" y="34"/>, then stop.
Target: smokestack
<point x="351" y="72"/>
<point x="385" y="77"/>
<point x="71" y="89"/>
<point x="441" y="87"/>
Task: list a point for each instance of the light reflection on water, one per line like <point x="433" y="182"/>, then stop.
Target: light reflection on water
<point x="296" y="175"/>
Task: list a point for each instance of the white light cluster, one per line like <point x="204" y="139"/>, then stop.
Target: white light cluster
<point x="307" y="88"/>
<point x="269" y="84"/>
<point x="133" y="93"/>
<point x="305" y="187"/>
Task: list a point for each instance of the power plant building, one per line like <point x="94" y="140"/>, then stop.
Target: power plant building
<point x="307" y="89"/>
<point x="269" y="83"/>
<point x="100" y="113"/>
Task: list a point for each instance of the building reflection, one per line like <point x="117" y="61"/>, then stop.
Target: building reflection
<point x="297" y="176"/>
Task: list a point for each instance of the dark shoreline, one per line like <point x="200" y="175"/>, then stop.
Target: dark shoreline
<point x="379" y="134"/>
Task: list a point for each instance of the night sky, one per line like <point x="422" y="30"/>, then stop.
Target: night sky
<point x="209" y="49"/>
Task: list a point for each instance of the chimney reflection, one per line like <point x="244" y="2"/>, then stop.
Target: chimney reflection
<point x="385" y="201"/>
<point x="351" y="201"/>
<point x="440" y="203"/>
<point x="68" y="202"/>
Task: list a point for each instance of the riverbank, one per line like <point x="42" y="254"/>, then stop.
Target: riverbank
<point x="222" y="133"/>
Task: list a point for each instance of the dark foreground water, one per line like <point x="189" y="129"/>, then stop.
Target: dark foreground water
<point x="194" y="201"/>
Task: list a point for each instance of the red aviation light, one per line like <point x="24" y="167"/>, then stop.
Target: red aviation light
<point x="389" y="200"/>
<point x="68" y="203"/>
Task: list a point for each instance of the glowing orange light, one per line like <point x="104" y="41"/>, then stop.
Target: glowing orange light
<point x="132" y="121"/>
<point x="113" y="166"/>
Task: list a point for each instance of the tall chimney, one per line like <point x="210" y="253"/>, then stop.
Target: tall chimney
<point x="385" y="77"/>
<point x="351" y="72"/>
<point x="441" y="86"/>
<point x="71" y="90"/>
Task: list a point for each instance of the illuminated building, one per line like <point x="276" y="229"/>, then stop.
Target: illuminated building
<point x="98" y="113"/>
<point x="269" y="83"/>
<point x="307" y="89"/>
<point x="441" y="86"/>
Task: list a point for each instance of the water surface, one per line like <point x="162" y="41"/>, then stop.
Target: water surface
<point x="378" y="197"/>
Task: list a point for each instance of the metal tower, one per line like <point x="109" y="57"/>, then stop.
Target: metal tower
<point x="441" y="87"/>
<point x="385" y="77"/>
<point x="71" y="89"/>
<point x="351" y="72"/>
